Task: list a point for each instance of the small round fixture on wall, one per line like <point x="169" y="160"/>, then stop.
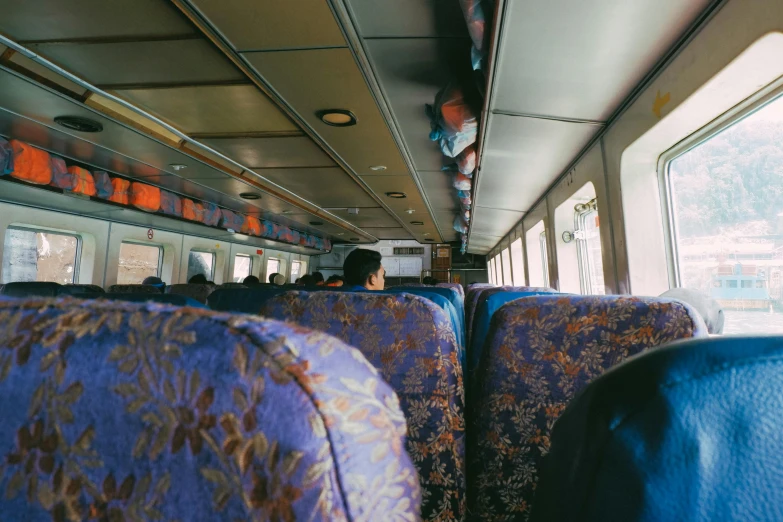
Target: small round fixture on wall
<point x="79" y="124"/>
<point x="378" y="168"/>
<point x="410" y="211"/>
<point x="316" y="223"/>
<point x="250" y="196"/>
<point x="417" y="223"/>
<point x="337" y="117"/>
<point x="178" y="166"/>
<point x="567" y="236"/>
<point x="396" y="195"/>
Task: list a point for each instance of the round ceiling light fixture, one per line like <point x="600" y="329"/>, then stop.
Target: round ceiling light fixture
<point x="178" y="166"/>
<point x="287" y="212"/>
<point x="250" y="196"/>
<point x="337" y="117"/>
<point x="316" y="223"/>
<point x="79" y="124"/>
<point x="378" y="168"/>
<point x="410" y="211"/>
<point x="396" y="195"/>
<point x="417" y="223"/>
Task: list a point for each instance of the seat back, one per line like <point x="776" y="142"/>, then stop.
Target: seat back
<point x="172" y="299"/>
<point x="471" y="302"/>
<point x="32" y="289"/>
<point x="242" y="300"/>
<point x="447" y="299"/>
<point x="541" y="351"/>
<point x="410" y="340"/>
<point x="121" y="411"/>
<point x="81" y="290"/>
<point x="687" y="432"/>
<point x="134" y="289"/>
<point x="232" y="285"/>
<point x="454" y="286"/>
<point x="481" y="298"/>
<point x="194" y="291"/>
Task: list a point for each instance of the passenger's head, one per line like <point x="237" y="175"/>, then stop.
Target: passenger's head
<point x="707" y="307"/>
<point x="272" y="278"/>
<point x="363" y="268"/>
<point x="198" y="279"/>
<point x="154" y="281"/>
<point x="335" y="281"/>
<point x="319" y="278"/>
<point x="429" y="280"/>
<point x="307" y="280"/>
<point x="251" y="280"/>
<point x="278" y="279"/>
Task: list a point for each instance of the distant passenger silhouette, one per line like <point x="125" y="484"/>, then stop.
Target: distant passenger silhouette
<point x="198" y="279"/>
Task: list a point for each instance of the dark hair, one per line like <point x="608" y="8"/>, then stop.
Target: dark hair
<point x="272" y="278"/>
<point x="198" y="279"/>
<point x="251" y="280"/>
<point x="360" y="264"/>
<point x="335" y="278"/>
<point x="318" y="276"/>
<point x="307" y="280"/>
<point x="153" y="281"/>
<point x="429" y="280"/>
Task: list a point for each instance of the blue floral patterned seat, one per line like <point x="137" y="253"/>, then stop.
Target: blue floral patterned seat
<point x="541" y="351"/>
<point x="454" y="286"/>
<point x="123" y="411"/>
<point x="410" y="340"/>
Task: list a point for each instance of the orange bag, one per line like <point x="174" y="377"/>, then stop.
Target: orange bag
<point x="121" y="191"/>
<point x="188" y="209"/>
<point x="252" y="226"/>
<point x="200" y="212"/>
<point x="145" y="197"/>
<point x="83" y="182"/>
<point x="31" y="164"/>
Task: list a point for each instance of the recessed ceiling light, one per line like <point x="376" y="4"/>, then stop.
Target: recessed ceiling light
<point x="250" y="195"/>
<point x="410" y="211"/>
<point x="429" y="239"/>
<point x="417" y="222"/>
<point x="287" y="212"/>
<point x="337" y="117"/>
<point x="396" y="195"/>
<point x="426" y="233"/>
<point x="178" y="166"/>
<point x="316" y="223"/>
<point x="78" y="123"/>
<point x="378" y="168"/>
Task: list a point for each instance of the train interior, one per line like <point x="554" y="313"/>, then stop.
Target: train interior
<point x="575" y="210"/>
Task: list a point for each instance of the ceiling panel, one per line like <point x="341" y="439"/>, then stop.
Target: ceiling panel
<point x="213" y="109"/>
<point x="260" y="153"/>
<point x="594" y="53"/>
<point x="493" y="222"/>
<point x="143" y="63"/>
<point x="367" y="217"/>
<point x="439" y="190"/>
<point x="330" y="79"/>
<point x="326" y="187"/>
<point x="483" y="244"/>
<point x="412" y="71"/>
<point x="409" y="18"/>
<point x="60" y="20"/>
<point x="389" y="233"/>
<point x="267" y="24"/>
<point x="383" y="184"/>
<point x="524" y="156"/>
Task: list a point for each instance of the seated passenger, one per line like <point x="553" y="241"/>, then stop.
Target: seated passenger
<point x="707" y="307"/>
<point x="335" y="281"/>
<point x="251" y="280"/>
<point x="363" y="270"/>
<point x="307" y="280"/>
<point x="157" y="282"/>
<point x="198" y="279"/>
<point x="277" y="279"/>
<point x="319" y="278"/>
<point x="431" y="281"/>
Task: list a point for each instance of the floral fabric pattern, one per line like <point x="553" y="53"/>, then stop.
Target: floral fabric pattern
<point x="410" y="340"/>
<point x="116" y="411"/>
<point x="541" y="351"/>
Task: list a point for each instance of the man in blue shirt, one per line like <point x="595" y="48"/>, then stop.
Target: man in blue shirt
<point x="363" y="270"/>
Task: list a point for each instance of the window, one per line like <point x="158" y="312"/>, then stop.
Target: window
<point x="200" y="262"/>
<point x="33" y="255"/>
<point x="498" y="270"/>
<point x="588" y="240"/>
<point x="504" y="257"/>
<point x="243" y="266"/>
<point x="723" y="190"/>
<point x="296" y="270"/>
<point x="538" y="267"/>
<point x="272" y="267"/>
<point x="517" y="263"/>
<point x="137" y="262"/>
<point x="760" y="284"/>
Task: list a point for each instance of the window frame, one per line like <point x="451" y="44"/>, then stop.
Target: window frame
<point x="77" y="261"/>
<point x="517" y="271"/>
<point x="234" y="264"/>
<point x="299" y="272"/>
<point x="582" y="252"/>
<point x="749" y="106"/>
<point x="211" y="276"/>
<point x="505" y="261"/>
<point x="544" y="256"/>
<point x="161" y="253"/>
<point x="266" y="267"/>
